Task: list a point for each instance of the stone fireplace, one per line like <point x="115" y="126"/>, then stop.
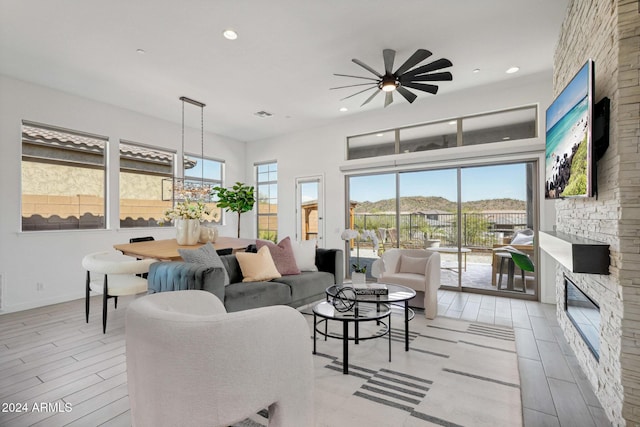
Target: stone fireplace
<point x="607" y="31"/>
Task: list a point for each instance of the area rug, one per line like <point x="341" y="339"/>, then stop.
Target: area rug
<point x="456" y="373"/>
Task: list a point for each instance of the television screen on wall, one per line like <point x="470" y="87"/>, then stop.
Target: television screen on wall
<point x="569" y="147"/>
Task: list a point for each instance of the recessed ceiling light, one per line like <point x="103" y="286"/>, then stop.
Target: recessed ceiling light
<point x="453" y="122"/>
<point x="476" y="70"/>
<point x="379" y="134"/>
<point x="230" y="34"/>
<point x="506" y="138"/>
<point x="343" y="109"/>
<point x="513" y="70"/>
<point x="141" y="51"/>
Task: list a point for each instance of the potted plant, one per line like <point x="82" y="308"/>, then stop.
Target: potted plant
<point x="240" y="198"/>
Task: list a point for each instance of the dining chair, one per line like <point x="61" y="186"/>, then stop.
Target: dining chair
<point x="114" y="275"/>
<point x="142" y="239"/>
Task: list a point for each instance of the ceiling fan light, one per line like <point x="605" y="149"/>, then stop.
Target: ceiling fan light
<point x="389" y="86"/>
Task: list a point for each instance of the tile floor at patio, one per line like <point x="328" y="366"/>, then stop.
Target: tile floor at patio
<point x="477" y="274"/>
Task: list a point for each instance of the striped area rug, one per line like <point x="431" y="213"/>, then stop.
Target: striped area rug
<point x="456" y="373"/>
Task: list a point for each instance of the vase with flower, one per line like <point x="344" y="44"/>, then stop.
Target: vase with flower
<point x="187" y="216"/>
<point x="359" y="274"/>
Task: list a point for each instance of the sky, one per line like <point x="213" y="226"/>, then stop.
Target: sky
<point x="575" y="91"/>
<point x="478" y="183"/>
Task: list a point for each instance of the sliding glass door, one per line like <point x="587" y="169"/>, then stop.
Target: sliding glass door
<point x="480" y="219"/>
<point x="428" y="216"/>
<point x="371" y="207"/>
<point x="498" y="212"/>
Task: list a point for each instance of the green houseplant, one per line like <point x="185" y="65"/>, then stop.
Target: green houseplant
<point x="240" y="198"/>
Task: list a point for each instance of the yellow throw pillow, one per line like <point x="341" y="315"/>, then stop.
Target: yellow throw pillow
<point x="257" y="267"/>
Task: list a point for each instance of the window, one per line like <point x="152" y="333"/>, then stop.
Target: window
<point x="512" y="124"/>
<point x="267" y="179"/>
<point x="143" y="172"/>
<point x="63" y="179"/>
<point x="500" y="126"/>
<point x="206" y="173"/>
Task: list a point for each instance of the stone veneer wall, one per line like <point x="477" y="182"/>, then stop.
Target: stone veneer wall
<point x="608" y="31"/>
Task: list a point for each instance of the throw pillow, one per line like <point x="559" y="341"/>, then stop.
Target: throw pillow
<point x="416" y="265"/>
<point x="522" y="239"/>
<point x="205" y="255"/>
<point x="257" y="267"/>
<point x="305" y="254"/>
<point x="282" y="255"/>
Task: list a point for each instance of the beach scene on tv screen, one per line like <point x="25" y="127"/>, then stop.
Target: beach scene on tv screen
<point x="567" y="144"/>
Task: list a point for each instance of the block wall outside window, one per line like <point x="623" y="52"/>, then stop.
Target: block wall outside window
<point x="143" y="172"/>
<point x="62" y="179"/>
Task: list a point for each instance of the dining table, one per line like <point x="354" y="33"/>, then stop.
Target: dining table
<point x="167" y="250"/>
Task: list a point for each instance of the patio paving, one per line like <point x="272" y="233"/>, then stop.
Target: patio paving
<point x="477" y="274"/>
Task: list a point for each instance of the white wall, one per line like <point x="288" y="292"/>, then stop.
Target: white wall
<point x="53" y="258"/>
<point x="322" y="150"/>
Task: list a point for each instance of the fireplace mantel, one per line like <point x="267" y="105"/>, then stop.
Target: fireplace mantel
<point x="577" y="254"/>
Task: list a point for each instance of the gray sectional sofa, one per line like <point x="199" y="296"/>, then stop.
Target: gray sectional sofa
<point x="295" y="290"/>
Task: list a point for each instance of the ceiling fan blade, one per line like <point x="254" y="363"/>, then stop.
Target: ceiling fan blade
<point x="423" y="87"/>
<point x="434" y="77"/>
<point x="366" y="67"/>
<point x="408" y="95"/>
<point x="359" y="84"/>
<point x="356" y="77"/>
<point x="389" y="55"/>
<point x="432" y="66"/>
<point x="358" y="93"/>
<point x="419" y="56"/>
<point x="371" y="97"/>
<point x="388" y="99"/>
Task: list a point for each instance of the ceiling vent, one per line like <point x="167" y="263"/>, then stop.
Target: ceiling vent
<point x="263" y="114"/>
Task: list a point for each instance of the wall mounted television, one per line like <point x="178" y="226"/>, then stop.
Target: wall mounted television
<point x="569" y="159"/>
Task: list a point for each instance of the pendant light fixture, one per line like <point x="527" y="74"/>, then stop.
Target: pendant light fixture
<point x="183" y="188"/>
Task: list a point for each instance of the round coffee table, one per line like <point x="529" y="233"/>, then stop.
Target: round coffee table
<point x="360" y="312"/>
<point x="398" y="295"/>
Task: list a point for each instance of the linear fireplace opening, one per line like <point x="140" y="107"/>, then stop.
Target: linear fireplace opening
<point x="584" y="313"/>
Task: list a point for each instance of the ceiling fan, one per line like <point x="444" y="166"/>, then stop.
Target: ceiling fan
<point x="403" y="78"/>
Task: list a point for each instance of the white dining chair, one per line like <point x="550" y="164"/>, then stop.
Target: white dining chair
<point x="114" y="275"/>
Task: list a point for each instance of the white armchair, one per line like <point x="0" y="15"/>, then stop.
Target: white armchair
<point x="190" y="363"/>
<point x="417" y="269"/>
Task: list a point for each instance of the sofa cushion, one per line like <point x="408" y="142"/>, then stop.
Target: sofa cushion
<point x="204" y="255"/>
<point x="257" y="267"/>
<point x="244" y="296"/>
<point x="307" y="284"/>
<point x="230" y="263"/>
<point x="305" y="254"/>
<point x="282" y="255"/>
<point x="416" y="265"/>
<point x="410" y="280"/>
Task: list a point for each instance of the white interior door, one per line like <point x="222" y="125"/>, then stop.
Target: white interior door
<point x="310" y="209"/>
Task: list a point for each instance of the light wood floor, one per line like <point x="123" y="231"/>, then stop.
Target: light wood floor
<point x="50" y="355"/>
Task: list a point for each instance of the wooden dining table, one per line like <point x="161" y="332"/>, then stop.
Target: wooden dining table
<point x="167" y="250"/>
